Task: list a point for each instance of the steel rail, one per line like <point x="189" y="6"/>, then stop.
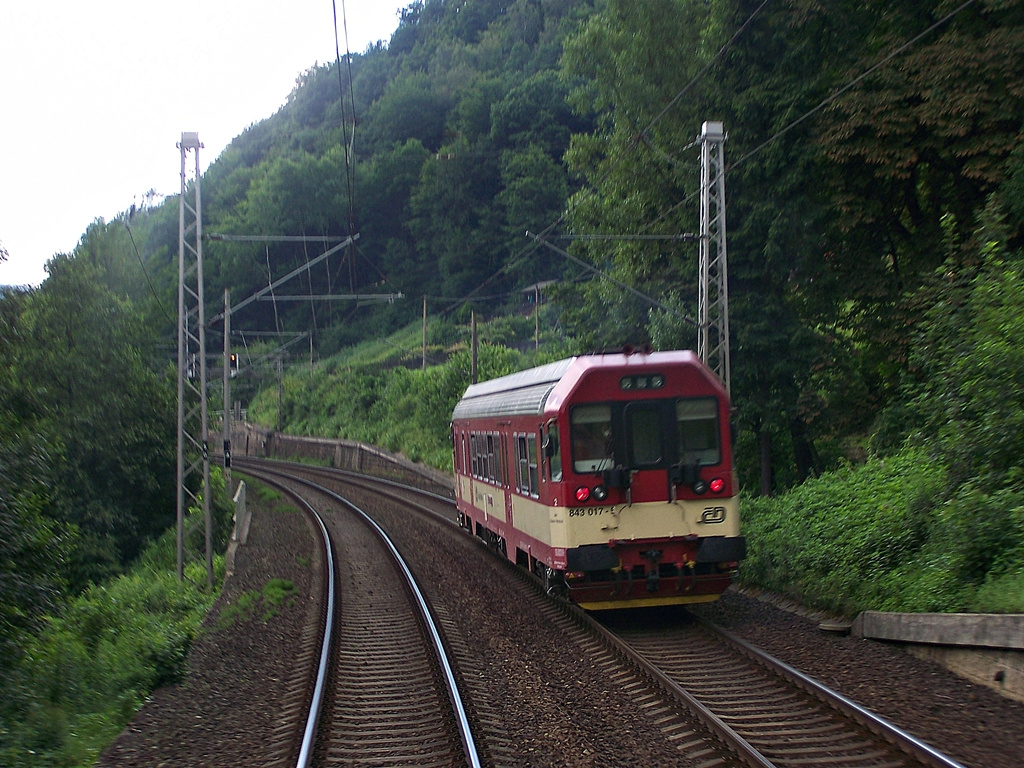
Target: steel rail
<point x="316" y="702"/>
<point x="895" y="735"/>
<point x="462" y="718"/>
<point x="346" y="473"/>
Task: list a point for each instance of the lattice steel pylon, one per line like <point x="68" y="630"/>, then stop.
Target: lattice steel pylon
<point x="713" y="294"/>
<point x="193" y="435"/>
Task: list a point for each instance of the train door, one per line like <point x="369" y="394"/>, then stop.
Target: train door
<point x="506" y="484"/>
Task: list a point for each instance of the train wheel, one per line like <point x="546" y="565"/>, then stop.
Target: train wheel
<point x="554" y="584"/>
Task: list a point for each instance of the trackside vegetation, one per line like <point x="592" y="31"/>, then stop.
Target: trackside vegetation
<point x="934" y="519"/>
<point x="83" y="677"/>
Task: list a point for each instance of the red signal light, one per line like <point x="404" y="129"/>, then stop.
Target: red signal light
<point x="717" y="485"/>
<point x="582" y="493"/>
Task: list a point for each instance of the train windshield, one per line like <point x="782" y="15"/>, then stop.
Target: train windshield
<point x="697" y="420"/>
<point x="592" y="444"/>
<point x="645" y="434"/>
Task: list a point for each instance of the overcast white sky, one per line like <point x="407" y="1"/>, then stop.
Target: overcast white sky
<point x="94" y="97"/>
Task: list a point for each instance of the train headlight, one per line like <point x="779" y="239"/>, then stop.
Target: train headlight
<point x="700" y="486"/>
<point x="717" y="485"/>
<point x="582" y="493"/>
<point x="600" y="492"/>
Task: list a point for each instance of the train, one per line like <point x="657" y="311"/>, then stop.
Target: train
<point x="609" y="476"/>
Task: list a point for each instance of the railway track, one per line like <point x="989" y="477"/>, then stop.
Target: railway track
<point x="786" y="716"/>
<point x="391" y="696"/>
<point x="715" y="701"/>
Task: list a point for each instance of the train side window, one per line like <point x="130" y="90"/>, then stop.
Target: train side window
<point x="592" y="444"/>
<point x="522" y="465"/>
<point x="697" y="420"/>
<point x="491" y="469"/>
<point x="473" y="455"/>
<point x="553" y="451"/>
<point x="503" y="460"/>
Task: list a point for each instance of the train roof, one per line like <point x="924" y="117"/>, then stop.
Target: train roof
<point x="526" y="392"/>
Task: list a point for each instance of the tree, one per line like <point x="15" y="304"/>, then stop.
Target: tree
<point x="639" y="66"/>
<point x="915" y="147"/>
<point x="32" y="544"/>
<point x="411" y="108"/>
<point x="110" y="414"/>
<point x="455" y="222"/>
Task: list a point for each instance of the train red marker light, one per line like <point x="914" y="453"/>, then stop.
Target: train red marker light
<point x="717" y="485"/>
<point x="582" y="493"/>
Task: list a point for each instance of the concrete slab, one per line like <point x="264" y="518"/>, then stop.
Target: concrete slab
<point x="987" y="649"/>
<point x="979" y="630"/>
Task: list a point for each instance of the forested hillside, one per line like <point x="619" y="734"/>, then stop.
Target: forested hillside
<point x="874" y="164"/>
<point x="864" y="141"/>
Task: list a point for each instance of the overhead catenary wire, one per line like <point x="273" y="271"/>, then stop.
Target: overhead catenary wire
<point x="836" y="94"/>
<point x="619" y="283"/>
<point x="774" y="137"/>
<point x="145" y="272"/>
<point x="348" y="147"/>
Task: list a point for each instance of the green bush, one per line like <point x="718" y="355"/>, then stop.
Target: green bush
<point x="830" y="541"/>
<point x="882" y="536"/>
<point x="402" y="410"/>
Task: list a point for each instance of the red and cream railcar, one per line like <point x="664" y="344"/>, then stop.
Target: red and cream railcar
<point x="610" y="476"/>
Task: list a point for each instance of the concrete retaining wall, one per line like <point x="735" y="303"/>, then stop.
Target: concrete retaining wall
<point x="251" y="440"/>
<point x="985" y="648"/>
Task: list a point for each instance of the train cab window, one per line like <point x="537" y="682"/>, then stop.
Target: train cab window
<point x="645" y="433"/>
<point x="592" y="444"/>
<point x="697" y="420"/>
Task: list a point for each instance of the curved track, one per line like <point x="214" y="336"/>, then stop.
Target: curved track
<point x="392" y="697"/>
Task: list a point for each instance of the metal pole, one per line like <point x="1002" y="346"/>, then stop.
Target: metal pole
<point x="204" y="407"/>
<point x="474" y="345"/>
<point x="192" y="359"/>
<point x="182" y="355"/>
<point x="536" y="317"/>
<point x="280" y="391"/>
<point x="713" y="293"/>
<point x="227" y="391"/>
